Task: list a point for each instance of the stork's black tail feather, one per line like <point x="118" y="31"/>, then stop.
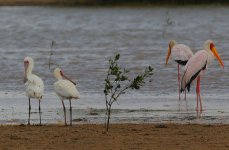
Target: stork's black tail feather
<point x="186" y="86"/>
<point x="182" y="89"/>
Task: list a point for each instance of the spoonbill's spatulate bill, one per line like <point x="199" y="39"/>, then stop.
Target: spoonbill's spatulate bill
<point x="34" y="85"/>
<point x="65" y="89"/>
<point x="180" y="53"/>
<point x="196" y="67"/>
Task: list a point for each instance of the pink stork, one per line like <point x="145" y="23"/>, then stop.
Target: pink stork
<point x="196" y="67"/>
<point x="181" y="54"/>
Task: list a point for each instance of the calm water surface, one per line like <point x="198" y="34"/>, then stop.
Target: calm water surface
<point x="87" y="37"/>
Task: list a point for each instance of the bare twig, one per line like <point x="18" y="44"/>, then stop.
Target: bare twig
<point x="50" y="54"/>
<point x="168" y="22"/>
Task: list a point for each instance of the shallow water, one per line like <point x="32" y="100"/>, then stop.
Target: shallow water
<point x="87" y="37"/>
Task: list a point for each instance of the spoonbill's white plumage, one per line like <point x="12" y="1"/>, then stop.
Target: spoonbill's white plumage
<point x="65" y="89"/>
<point x="196" y="67"/>
<point x="34" y="85"/>
<point x="180" y="53"/>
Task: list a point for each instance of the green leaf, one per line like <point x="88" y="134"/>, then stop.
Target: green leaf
<point x="105" y="92"/>
<point x="117" y="57"/>
<point x="118" y="86"/>
<point x="123" y="78"/>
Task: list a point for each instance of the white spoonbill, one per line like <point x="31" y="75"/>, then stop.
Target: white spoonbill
<point x="65" y="89"/>
<point x="196" y="66"/>
<point x="34" y="85"/>
<point x="181" y="54"/>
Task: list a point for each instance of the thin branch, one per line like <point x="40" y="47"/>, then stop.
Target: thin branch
<point x="117" y="82"/>
<point x="121" y="92"/>
<point x="51" y="53"/>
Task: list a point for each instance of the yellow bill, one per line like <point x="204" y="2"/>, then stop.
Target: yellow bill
<point x="168" y="55"/>
<point x="217" y="56"/>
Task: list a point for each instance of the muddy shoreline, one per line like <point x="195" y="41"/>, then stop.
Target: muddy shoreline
<point x="120" y="136"/>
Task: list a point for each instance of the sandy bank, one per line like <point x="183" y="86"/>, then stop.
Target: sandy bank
<point x="121" y="136"/>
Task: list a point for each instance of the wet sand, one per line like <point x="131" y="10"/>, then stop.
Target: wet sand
<point x="120" y="136"/>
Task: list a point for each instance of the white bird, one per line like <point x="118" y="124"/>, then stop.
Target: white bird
<point x="180" y="53"/>
<point x="196" y="67"/>
<point x="34" y="85"/>
<point x="65" y="89"/>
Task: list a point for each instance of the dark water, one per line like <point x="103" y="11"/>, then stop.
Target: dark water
<point x="87" y="37"/>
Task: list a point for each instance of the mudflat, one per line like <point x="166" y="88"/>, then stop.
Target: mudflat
<point x="120" y="136"/>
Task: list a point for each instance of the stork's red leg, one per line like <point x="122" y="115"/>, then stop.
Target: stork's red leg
<point x="197" y="96"/>
<point x="198" y="82"/>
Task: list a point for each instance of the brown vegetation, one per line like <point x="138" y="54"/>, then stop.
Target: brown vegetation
<point x="110" y="2"/>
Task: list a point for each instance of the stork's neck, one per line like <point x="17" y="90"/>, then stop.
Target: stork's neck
<point x="210" y="56"/>
<point x="172" y="43"/>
